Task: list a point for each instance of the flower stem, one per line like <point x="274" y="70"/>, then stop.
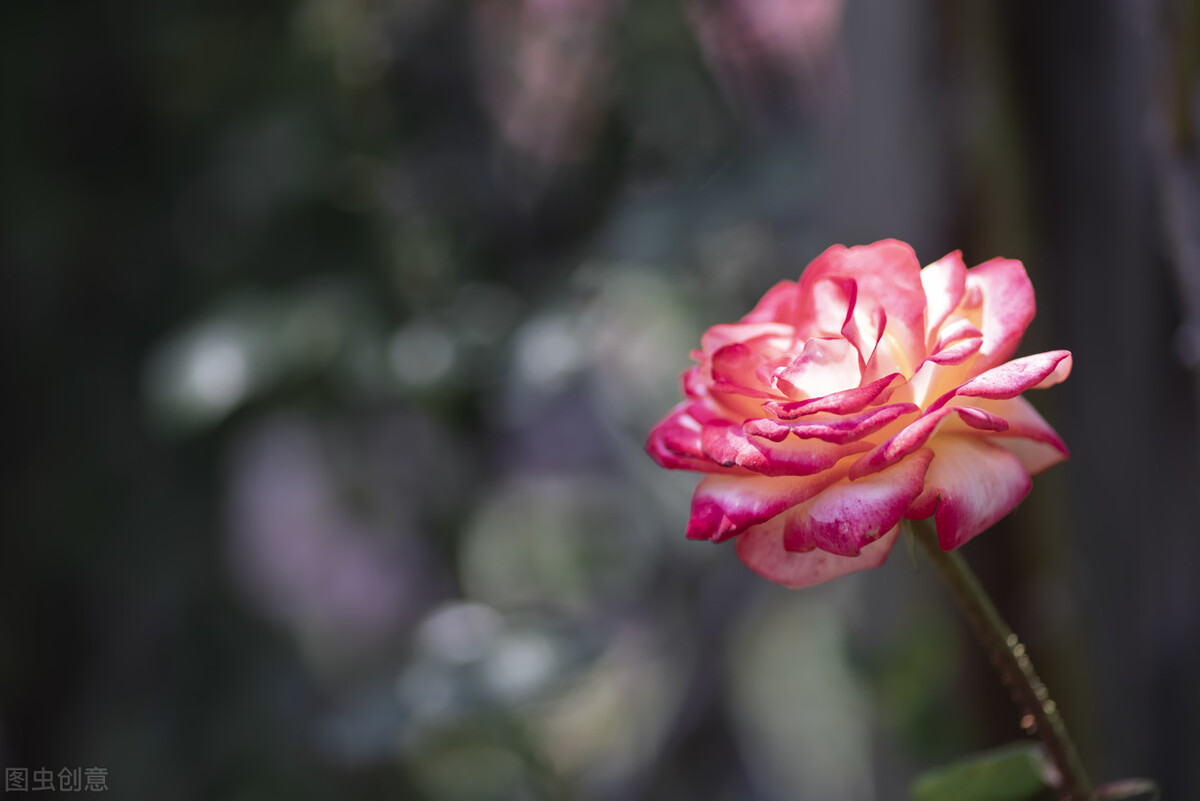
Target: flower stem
<point x="1039" y="714"/>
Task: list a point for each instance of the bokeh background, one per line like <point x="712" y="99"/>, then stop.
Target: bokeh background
<point x="334" y="329"/>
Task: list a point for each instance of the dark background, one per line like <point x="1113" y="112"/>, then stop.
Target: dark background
<point x="334" y="329"/>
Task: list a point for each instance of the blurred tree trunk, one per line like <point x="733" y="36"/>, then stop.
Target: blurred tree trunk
<point x="1130" y="405"/>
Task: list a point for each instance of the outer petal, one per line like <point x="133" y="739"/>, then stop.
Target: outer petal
<point x="1012" y="378"/>
<point x="675" y="443"/>
<point x="1029" y="436"/>
<point x="1061" y="371"/>
<point x="746" y="332"/>
<point x="693" y="382"/>
<point x="723" y="506"/>
<point x="761" y="548"/>
<point x="1003" y="287"/>
<point x="777" y="306"/>
<point x="970" y="485"/>
<point x="847" y="516"/>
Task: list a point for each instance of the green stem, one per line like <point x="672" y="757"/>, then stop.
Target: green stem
<point x="1039" y="714"/>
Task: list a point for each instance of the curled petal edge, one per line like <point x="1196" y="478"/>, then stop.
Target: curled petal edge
<point x="728" y="445"/>
<point x="916" y="434"/>
<point x="847" y="401"/>
<point x="1014" y="377"/>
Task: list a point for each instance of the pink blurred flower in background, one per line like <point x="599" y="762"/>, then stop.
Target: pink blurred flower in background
<point x="764" y="52"/>
<point x="868" y="391"/>
<point x="543" y="72"/>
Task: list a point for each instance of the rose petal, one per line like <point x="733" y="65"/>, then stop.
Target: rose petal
<point x="846" y="401"/>
<point x="723" y="506"/>
<point x="707" y="411"/>
<point x="735" y="364"/>
<point x="1012" y="378"/>
<point x="847" y="516"/>
<point x="1035" y="457"/>
<point x="693" y="383"/>
<point x="849" y="428"/>
<point x="888" y="358"/>
<point x="823" y="366"/>
<point x="917" y="433"/>
<point x="969" y="486"/>
<point x="957" y="341"/>
<point x="863" y="328"/>
<point x="718" y="336"/>
<point x="824" y="304"/>
<point x="742" y="390"/>
<point x="944" y="282"/>
<point x="728" y="445"/>
<point x="1029" y="436"/>
<point x="1061" y="371"/>
<point x="981" y="419"/>
<point x="955" y="329"/>
<point x="957" y="353"/>
<point x="761" y="549"/>
<point x="664" y="456"/>
<point x="675" y="442"/>
<point x="778" y="305"/>
<point x="1003" y="287"/>
<point x="766" y="428"/>
<point x="888" y="276"/>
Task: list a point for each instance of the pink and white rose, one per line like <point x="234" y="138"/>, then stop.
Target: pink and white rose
<point x="869" y="391"/>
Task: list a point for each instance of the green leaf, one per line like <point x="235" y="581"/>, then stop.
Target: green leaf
<point x="1011" y="773"/>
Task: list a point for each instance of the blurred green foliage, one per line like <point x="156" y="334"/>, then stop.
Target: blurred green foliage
<point x="1012" y="773"/>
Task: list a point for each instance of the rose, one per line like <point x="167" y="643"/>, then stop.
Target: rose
<point x="868" y="391"/>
